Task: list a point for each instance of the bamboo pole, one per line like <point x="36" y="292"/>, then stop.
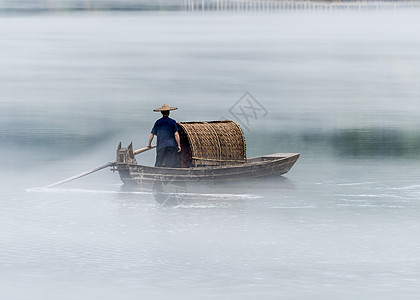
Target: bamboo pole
<point x="108" y="164"/>
<point x="141" y="150"/>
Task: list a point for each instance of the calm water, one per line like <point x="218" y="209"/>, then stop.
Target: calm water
<point x="340" y="88"/>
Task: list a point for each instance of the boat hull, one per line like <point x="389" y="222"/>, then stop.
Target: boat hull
<point x="263" y="166"/>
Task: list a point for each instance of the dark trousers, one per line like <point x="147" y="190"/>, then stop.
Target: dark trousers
<point x="167" y="157"/>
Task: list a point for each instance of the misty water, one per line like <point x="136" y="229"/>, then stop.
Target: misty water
<point x="341" y="88"/>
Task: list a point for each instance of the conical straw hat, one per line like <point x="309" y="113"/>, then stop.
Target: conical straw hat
<point x="165" y="107"/>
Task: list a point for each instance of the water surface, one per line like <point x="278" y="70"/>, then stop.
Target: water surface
<point x="340" y="88"/>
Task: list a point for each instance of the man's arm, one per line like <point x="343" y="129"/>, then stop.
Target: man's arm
<point x="150" y="140"/>
<point x="178" y="141"/>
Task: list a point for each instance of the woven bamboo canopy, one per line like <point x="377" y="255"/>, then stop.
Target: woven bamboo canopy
<point x="212" y="143"/>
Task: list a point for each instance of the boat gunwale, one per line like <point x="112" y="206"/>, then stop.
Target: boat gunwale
<point x="270" y="158"/>
<point x="273" y="165"/>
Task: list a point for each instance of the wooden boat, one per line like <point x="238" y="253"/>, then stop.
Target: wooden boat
<point x="211" y="152"/>
<point x="267" y="165"/>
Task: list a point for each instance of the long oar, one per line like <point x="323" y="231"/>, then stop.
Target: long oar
<point x="108" y="164"/>
<point x="138" y="151"/>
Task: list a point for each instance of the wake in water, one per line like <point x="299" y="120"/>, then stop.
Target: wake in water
<point x="173" y="198"/>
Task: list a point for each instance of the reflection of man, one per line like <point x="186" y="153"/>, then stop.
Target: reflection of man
<point x="168" y="142"/>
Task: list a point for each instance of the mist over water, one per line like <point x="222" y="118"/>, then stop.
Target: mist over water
<point x="341" y="88"/>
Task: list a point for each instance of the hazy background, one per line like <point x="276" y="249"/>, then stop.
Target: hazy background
<point x="342" y="88"/>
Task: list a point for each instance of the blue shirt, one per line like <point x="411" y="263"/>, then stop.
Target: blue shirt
<point x="165" y="129"/>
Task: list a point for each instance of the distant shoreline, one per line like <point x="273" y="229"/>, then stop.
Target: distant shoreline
<point x="197" y="5"/>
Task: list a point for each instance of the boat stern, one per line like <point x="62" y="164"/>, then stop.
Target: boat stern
<point x="125" y="156"/>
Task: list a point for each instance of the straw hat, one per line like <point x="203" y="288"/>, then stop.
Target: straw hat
<point x="165" y="107"/>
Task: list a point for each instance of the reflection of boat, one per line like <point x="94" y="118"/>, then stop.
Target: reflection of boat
<point x="212" y="152"/>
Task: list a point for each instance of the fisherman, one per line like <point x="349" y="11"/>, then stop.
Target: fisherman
<point x="168" y="142"/>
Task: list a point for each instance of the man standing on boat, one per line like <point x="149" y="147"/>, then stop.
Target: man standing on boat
<point x="168" y="142"/>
